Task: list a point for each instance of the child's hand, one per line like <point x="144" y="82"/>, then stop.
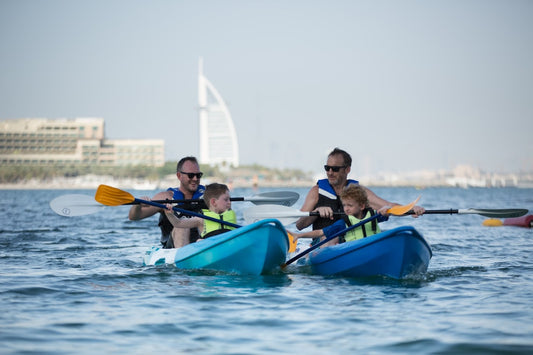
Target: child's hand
<point x="295" y="235"/>
<point x="169" y="207"/>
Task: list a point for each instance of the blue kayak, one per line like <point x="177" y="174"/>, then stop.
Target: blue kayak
<point x="395" y="253"/>
<point x="254" y="249"/>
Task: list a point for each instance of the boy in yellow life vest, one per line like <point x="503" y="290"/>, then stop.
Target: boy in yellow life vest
<point x="217" y="199"/>
<point x="355" y="204"/>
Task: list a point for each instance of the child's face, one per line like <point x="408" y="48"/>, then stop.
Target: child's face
<point x="222" y="203"/>
<point x="352" y="207"/>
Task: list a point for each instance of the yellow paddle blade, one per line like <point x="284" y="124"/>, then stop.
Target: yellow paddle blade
<point x="492" y="222"/>
<point x="401" y="210"/>
<point x="292" y="243"/>
<point x="111" y="196"/>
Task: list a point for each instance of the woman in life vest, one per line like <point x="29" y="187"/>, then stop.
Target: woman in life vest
<point x="356" y="208"/>
<point x="217" y="199"/>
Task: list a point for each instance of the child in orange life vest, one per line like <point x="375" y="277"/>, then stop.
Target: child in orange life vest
<point x="355" y="205"/>
<point x="217" y="199"/>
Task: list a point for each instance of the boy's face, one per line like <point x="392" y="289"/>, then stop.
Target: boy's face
<point x="221" y="204"/>
<point x="352" y="208"/>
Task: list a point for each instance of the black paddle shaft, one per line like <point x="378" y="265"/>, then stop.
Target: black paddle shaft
<point x="449" y="211"/>
<point x="186" y="203"/>
<point x="492" y="213"/>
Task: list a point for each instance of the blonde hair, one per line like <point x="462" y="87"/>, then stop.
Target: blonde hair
<point x="214" y="190"/>
<point x="356" y="193"/>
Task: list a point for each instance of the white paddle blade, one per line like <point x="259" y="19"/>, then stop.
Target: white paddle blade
<point x="74" y="205"/>
<point x="495" y="213"/>
<point x="286" y="215"/>
<point x="283" y="198"/>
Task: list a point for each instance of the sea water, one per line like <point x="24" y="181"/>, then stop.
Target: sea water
<point x="77" y="285"/>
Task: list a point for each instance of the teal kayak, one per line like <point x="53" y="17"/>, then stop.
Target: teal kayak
<point x="396" y="253"/>
<point x="254" y="249"/>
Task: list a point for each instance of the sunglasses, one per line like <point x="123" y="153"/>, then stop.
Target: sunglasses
<point x="191" y="175"/>
<point x="335" y="169"/>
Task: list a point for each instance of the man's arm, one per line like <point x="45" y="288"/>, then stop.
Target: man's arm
<point x="375" y="201"/>
<point x="378" y="203"/>
<point x="309" y="204"/>
<point x="141" y="211"/>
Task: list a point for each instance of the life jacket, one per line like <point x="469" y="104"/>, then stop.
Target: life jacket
<point x="166" y="226"/>
<point x="362" y="231"/>
<point x="328" y="198"/>
<point x="212" y="228"/>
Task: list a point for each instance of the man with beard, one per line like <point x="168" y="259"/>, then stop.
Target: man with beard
<point x="189" y="174"/>
<point x="324" y="196"/>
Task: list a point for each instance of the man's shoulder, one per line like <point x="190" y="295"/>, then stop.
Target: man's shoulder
<point x="313" y="190"/>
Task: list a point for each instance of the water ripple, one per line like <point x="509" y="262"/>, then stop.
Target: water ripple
<point x="78" y="284"/>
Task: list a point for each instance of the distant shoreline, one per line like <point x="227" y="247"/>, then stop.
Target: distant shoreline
<point x="91" y="182"/>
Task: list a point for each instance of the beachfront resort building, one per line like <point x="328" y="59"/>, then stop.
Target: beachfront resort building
<point x="218" y="138"/>
<point x="72" y="142"/>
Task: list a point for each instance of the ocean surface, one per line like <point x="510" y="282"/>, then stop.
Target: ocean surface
<point x="77" y="285"/>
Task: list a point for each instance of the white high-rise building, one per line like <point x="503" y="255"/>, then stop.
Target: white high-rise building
<point x="218" y="138"/>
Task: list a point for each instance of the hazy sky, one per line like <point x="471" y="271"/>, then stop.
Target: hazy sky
<point x="401" y="85"/>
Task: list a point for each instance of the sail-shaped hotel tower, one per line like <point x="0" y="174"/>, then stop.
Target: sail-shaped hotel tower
<point x="218" y="139"/>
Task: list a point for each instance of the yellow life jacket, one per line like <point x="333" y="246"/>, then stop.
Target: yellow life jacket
<point x="362" y="231"/>
<point x="212" y="228"/>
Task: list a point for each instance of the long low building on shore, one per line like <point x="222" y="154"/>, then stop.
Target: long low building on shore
<point x="67" y="142"/>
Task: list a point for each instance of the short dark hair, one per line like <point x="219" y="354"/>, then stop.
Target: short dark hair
<point x="183" y="160"/>
<point x="345" y="156"/>
<point x="214" y="190"/>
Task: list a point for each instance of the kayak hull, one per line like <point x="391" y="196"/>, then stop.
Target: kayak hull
<point x="254" y="249"/>
<point x="396" y="253"/>
<point x="524" y="221"/>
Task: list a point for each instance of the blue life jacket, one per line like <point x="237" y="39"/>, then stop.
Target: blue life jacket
<point x="328" y="198"/>
<point x="166" y="226"/>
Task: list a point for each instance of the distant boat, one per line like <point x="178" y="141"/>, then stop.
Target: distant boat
<point x="524" y="221"/>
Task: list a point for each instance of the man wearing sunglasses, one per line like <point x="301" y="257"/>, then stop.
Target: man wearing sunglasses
<point x="189" y="175"/>
<point x="324" y="196"/>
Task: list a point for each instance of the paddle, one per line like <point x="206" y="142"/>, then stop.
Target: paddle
<point x="79" y="205"/>
<point x="73" y="205"/>
<point x="495" y="213"/>
<point x="111" y="196"/>
<point x="286" y="215"/>
<point x="395" y="210"/>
